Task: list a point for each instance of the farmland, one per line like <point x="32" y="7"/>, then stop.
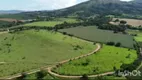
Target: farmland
<point x="93" y="34"/>
<point x="31" y="49"/>
<point x="52" y="23"/>
<point x="133" y="22"/>
<point x="138" y="33"/>
<point x="44" y="23"/>
<point x="8" y="19"/>
<point x="103" y="61"/>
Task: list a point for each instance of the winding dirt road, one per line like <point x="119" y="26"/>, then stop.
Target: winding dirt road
<point x="77" y="77"/>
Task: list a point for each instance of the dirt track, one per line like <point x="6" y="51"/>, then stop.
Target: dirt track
<point x="77" y="77"/>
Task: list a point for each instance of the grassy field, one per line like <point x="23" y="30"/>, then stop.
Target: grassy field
<point x="97" y="35"/>
<point x="70" y="20"/>
<point x="44" y="23"/>
<point x="52" y="23"/>
<point x="139" y="34"/>
<point x="31" y="49"/>
<point x="103" y="61"/>
<point x="133" y="22"/>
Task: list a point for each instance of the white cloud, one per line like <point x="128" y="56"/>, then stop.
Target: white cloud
<point x="53" y="4"/>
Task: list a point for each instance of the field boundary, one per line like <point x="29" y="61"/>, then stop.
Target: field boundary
<point x="76" y="77"/>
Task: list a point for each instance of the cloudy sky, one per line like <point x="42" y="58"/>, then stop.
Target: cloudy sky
<point x="37" y="4"/>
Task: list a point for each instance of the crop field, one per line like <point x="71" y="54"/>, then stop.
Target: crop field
<point x="8" y="19"/>
<point x="32" y="49"/>
<point x="103" y="61"/>
<point x="133" y="22"/>
<point x="52" y="23"/>
<point x="93" y="34"/>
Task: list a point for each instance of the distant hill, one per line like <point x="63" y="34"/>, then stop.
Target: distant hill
<point x="10" y="11"/>
<point x="90" y="8"/>
<point x="139" y="1"/>
<point x="103" y="7"/>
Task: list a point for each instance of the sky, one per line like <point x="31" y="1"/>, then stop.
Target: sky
<point x="30" y="5"/>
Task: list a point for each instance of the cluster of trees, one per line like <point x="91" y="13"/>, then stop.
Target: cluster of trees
<point x="39" y="75"/>
<point x="115" y="28"/>
<point x="113" y="44"/>
<point x="4" y="24"/>
<point x="100" y="21"/>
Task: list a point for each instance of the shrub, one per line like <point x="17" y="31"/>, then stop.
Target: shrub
<point x="123" y="22"/>
<point x="41" y="74"/>
<point x="23" y="76"/>
<point x="84" y="77"/>
<point x="110" y="43"/>
<point x="118" y="44"/>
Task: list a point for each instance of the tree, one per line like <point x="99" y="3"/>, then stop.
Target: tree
<point x="22" y="77"/>
<point x="84" y="77"/>
<point x="41" y="74"/>
<point x="118" y="44"/>
<point x="110" y="43"/>
<point x="123" y="22"/>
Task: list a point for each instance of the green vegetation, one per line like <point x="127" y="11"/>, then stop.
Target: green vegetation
<point x="140" y="43"/>
<point x="139" y="37"/>
<point x="44" y="23"/>
<point x="93" y="34"/>
<point x="34" y="76"/>
<point x="5" y="24"/>
<point x="137" y="34"/>
<point x="110" y="77"/>
<point x="31" y="49"/>
<point x="69" y="20"/>
<point x="52" y="23"/>
<point x="107" y="59"/>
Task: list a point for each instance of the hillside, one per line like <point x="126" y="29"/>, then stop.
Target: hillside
<point x="89" y="8"/>
<point x="103" y="7"/>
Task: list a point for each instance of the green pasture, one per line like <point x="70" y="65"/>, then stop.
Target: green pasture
<point x="31" y="49"/>
<point x="138" y="38"/>
<point x="52" y="23"/>
<point x="106" y="60"/>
